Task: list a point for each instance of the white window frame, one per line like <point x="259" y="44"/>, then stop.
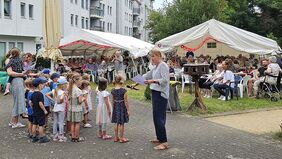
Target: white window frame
<point x="82" y="22"/>
<point x="211" y="45"/>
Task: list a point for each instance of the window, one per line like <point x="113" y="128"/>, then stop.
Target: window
<point x="71" y="1"/>
<point x="22" y="10"/>
<point x="20" y="46"/>
<point x="7" y="8"/>
<point x="72" y="19"/>
<point x="108" y="26"/>
<point x="86" y="23"/>
<point x="82" y="22"/>
<point x="86" y="5"/>
<point x="30" y="11"/>
<point x="76" y="20"/>
<point x="211" y="45"/>
<point x="82" y="3"/>
<point x="111" y="25"/>
<point x="110" y="10"/>
<point x="12" y="45"/>
<point x="75" y="1"/>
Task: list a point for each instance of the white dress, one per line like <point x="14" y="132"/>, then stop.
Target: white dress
<point x="102" y="116"/>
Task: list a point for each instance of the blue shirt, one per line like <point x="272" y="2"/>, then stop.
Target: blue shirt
<point x="44" y="91"/>
<point x="29" y="109"/>
<point x="53" y="85"/>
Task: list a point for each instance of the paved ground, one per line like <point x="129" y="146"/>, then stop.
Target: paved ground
<point x="254" y="122"/>
<point x="189" y="137"/>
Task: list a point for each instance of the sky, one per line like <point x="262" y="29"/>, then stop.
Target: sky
<point x="158" y="3"/>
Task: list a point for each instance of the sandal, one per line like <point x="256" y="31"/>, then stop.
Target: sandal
<point x="162" y="147"/>
<point x="80" y="139"/>
<point x="116" y="139"/>
<point x="155" y="141"/>
<point x="73" y="139"/>
<point x="123" y="140"/>
<point x="106" y="137"/>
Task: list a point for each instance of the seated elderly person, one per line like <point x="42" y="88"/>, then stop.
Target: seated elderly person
<point x="257" y="77"/>
<point x="272" y="73"/>
<point x="215" y="79"/>
<point x="228" y="80"/>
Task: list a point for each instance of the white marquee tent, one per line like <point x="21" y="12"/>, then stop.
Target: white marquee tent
<point x="229" y="39"/>
<point x="88" y="42"/>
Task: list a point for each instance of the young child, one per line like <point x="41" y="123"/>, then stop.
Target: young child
<point x="103" y="114"/>
<point x="54" y="77"/>
<point x="47" y="103"/>
<point x="58" y="95"/>
<point x="120" y="109"/>
<point x="8" y="58"/>
<point x="75" y="108"/>
<point x="29" y="92"/>
<point x="89" y="90"/>
<point x="38" y="110"/>
<point x="84" y="87"/>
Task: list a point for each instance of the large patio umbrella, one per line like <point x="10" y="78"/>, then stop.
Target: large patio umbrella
<point x="51" y="30"/>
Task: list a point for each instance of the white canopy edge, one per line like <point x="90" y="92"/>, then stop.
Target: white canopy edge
<point x="233" y="37"/>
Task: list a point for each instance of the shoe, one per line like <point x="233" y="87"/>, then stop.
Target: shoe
<point x="221" y="97"/>
<point x="6" y="92"/>
<point x="87" y="125"/>
<point x="10" y="124"/>
<point x="62" y="139"/>
<point x="44" y="139"/>
<point x="55" y="137"/>
<point x="35" y="139"/>
<point x="29" y="135"/>
<point x="205" y="96"/>
<point x="228" y="98"/>
<point x="18" y="125"/>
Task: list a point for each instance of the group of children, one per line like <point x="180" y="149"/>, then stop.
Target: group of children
<point x="68" y="99"/>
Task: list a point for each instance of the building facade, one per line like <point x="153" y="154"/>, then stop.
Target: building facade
<point x="21" y="20"/>
<point x="20" y="25"/>
<point x="126" y="17"/>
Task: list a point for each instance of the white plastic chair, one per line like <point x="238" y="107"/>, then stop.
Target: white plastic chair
<point x="243" y="85"/>
<point x="187" y="79"/>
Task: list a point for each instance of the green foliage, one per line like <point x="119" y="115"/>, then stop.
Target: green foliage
<point x="147" y="93"/>
<point x="263" y="17"/>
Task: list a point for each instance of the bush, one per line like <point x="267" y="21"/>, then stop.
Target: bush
<point x="147" y="93"/>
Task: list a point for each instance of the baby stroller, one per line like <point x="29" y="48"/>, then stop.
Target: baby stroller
<point x="269" y="90"/>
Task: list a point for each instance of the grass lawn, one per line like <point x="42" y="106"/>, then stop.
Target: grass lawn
<point x="213" y="104"/>
<point x="278" y="136"/>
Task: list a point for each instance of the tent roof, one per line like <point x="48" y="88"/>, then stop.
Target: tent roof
<point x="235" y="38"/>
<point x="89" y="42"/>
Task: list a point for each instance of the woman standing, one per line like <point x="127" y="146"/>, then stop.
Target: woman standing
<point x="158" y="78"/>
<point x="15" y="71"/>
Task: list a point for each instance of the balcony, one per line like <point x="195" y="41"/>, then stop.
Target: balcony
<point x="136" y="11"/>
<point x="96" y="12"/>
<point x="136" y="23"/>
<point x="97" y="28"/>
<point x="137" y="33"/>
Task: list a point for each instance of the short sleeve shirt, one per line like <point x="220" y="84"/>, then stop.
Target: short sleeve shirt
<point x="74" y="105"/>
<point x="61" y="106"/>
<point x="16" y="64"/>
<point x="36" y="98"/>
<point x="228" y="76"/>
<point x="44" y="91"/>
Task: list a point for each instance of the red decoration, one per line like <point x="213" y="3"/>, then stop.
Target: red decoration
<point x="186" y="48"/>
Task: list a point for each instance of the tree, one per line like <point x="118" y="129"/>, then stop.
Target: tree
<point x="184" y="14"/>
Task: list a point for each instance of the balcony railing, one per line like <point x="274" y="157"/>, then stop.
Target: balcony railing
<point x="136" y="11"/>
<point x="96" y="12"/>
<point x="97" y="28"/>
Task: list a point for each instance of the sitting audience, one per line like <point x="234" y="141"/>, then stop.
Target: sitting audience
<point x="228" y="80"/>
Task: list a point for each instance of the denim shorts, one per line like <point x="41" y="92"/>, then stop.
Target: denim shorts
<point x="38" y="120"/>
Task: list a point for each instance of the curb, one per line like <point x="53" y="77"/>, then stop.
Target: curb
<point x="240" y="112"/>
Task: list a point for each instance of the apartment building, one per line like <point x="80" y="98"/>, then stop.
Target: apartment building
<point x="20" y="25"/>
<point x="126" y="17"/>
<point x="74" y="15"/>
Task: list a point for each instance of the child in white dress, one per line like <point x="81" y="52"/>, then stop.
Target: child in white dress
<point x="103" y="114"/>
